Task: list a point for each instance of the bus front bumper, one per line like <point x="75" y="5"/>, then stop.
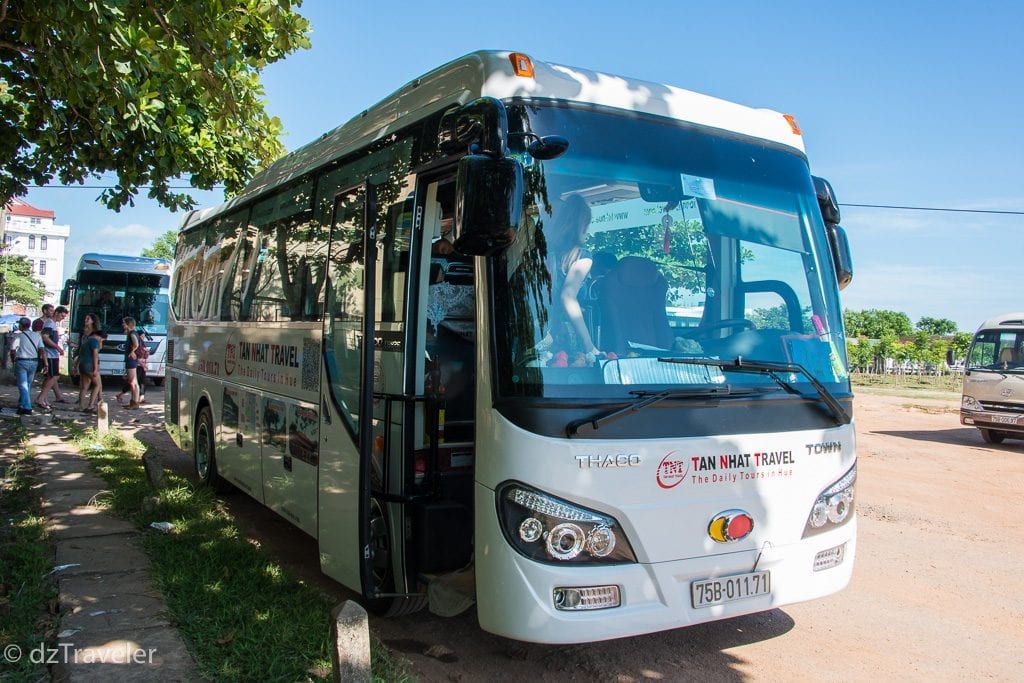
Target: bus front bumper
<point x="515" y="595"/>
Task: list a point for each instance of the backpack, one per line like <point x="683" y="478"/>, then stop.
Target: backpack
<point x="141" y="351"/>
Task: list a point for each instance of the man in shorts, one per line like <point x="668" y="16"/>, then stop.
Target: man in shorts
<point x="52" y="317"/>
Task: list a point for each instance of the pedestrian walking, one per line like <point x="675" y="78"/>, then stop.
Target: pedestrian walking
<point x="52" y="317"/>
<point x="26" y="349"/>
<point x="131" y="362"/>
<point x="89" y="384"/>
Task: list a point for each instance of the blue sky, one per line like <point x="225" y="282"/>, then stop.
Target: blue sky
<point x="909" y="103"/>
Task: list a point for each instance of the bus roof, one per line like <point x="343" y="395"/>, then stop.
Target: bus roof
<point x="122" y="263"/>
<point x="489" y="73"/>
<point x="1004" y="320"/>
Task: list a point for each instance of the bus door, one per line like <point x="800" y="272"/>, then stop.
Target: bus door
<point x="442" y="440"/>
<point x="352" y="532"/>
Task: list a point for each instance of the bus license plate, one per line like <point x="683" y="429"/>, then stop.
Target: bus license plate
<point x="1005" y="419"/>
<point x="710" y="592"/>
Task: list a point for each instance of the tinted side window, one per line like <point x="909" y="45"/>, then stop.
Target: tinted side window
<point x="282" y="283"/>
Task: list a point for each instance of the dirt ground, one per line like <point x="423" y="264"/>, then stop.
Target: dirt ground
<point x="937" y="591"/>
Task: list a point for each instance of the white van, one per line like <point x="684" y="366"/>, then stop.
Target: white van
<point x="993" y="398"/>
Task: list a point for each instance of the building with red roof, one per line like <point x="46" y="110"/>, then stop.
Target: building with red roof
<point x="31" y="232"/>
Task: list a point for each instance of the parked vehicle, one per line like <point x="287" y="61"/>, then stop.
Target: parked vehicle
<point x="993" y="395"/>
<point x="112" y="287"/>
<point x="434" y="415"/>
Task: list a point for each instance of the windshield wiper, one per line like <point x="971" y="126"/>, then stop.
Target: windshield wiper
<point x="740" y="364"/>
<point x="644" y="399"/>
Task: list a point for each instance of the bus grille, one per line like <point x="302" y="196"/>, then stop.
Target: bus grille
<point x="1003" y="407"/>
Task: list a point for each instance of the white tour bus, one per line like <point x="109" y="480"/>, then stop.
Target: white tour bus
<point x="114" y="287"/>
<point x="993" y="398"/>
<point x="383" y="339"/>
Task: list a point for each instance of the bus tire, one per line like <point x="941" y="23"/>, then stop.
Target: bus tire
<point x="157" y="381"/>
<point x="204" y="450"/>
<point x="383" y="569"/>
<point x="990" y="435"/>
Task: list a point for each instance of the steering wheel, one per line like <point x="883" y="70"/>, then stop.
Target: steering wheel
<point x="704" y="331"/>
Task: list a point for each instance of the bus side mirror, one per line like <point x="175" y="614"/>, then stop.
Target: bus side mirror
<point x="838" y="244"/>
<point x="950" y="358"/>
<point x="488" y="204"/>
<point x="826" y="200"/>
<point x="65" y="294"/>
<point x="841" y="258"/>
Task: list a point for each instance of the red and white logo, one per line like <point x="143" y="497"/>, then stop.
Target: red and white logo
<point x="672" y="471"/>
<point x="229" y="357"/>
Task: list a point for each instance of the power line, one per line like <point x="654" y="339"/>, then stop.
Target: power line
<point x="933" y="208"/>
<point x="111" y="187"/>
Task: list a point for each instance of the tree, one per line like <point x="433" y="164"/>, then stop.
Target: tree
<point x="876" y="324"/>
<point x="937" y="327"/>
<point x="861" y="355"/>
<point x="17" y="283"/>
<point x="163" y="246"/>
<point x="151" y="91"/>
<point x="960" y="343"/>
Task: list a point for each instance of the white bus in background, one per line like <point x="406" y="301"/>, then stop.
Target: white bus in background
<point x="114" y="287"/>
<point x="993" y="395"/>
<point x="422" y="413"/>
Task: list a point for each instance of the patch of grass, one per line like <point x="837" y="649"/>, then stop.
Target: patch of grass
<point x="243" y="617"/>
<point x="909" y="386"/>
<point x="28" y="596"/>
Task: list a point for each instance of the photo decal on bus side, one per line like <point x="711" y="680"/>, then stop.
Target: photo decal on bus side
<point x="278" y="364"/>
<point x="304" y="435"/>
<point x="274" y="424"/>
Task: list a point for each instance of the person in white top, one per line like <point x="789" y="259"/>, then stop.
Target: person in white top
<point x="51" y="343"/>
<point x="26" y="348"/>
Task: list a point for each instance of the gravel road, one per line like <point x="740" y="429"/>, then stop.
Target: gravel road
<point x="937" y="593"/>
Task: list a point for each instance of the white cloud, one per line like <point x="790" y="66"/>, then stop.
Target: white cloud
<point x="131" y="238"/>
<point x="127" y="240"/>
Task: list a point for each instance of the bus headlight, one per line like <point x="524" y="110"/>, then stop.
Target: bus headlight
<point x="834" y="505"/>
<point x="549" y="529"/>
<point x="970" y="403"/>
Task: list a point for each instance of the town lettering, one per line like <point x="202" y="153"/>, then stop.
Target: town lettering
<point x="824" y="447"/>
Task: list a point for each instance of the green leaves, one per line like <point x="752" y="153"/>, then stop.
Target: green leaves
<point x="163" y="247"/>
<point x="17" y="282"/>
<point x="149" y="93"/>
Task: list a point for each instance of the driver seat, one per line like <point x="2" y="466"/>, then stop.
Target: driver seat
<point x="632" y="307"/>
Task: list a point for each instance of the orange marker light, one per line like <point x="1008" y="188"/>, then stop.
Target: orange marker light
<point x="521" y="64"/>
<point x="791" y="120"/>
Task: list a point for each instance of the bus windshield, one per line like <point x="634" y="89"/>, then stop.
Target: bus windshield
<point x="113" y="296"/>
<point x="997" y="350"/>
<point x="650" y="240"/>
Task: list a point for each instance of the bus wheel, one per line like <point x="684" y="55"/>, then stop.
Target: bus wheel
<point x="158" y="381"/>
<point x="990" y="436"/>
<point x="205" y="458"/>
<point x="383" y="569"/>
